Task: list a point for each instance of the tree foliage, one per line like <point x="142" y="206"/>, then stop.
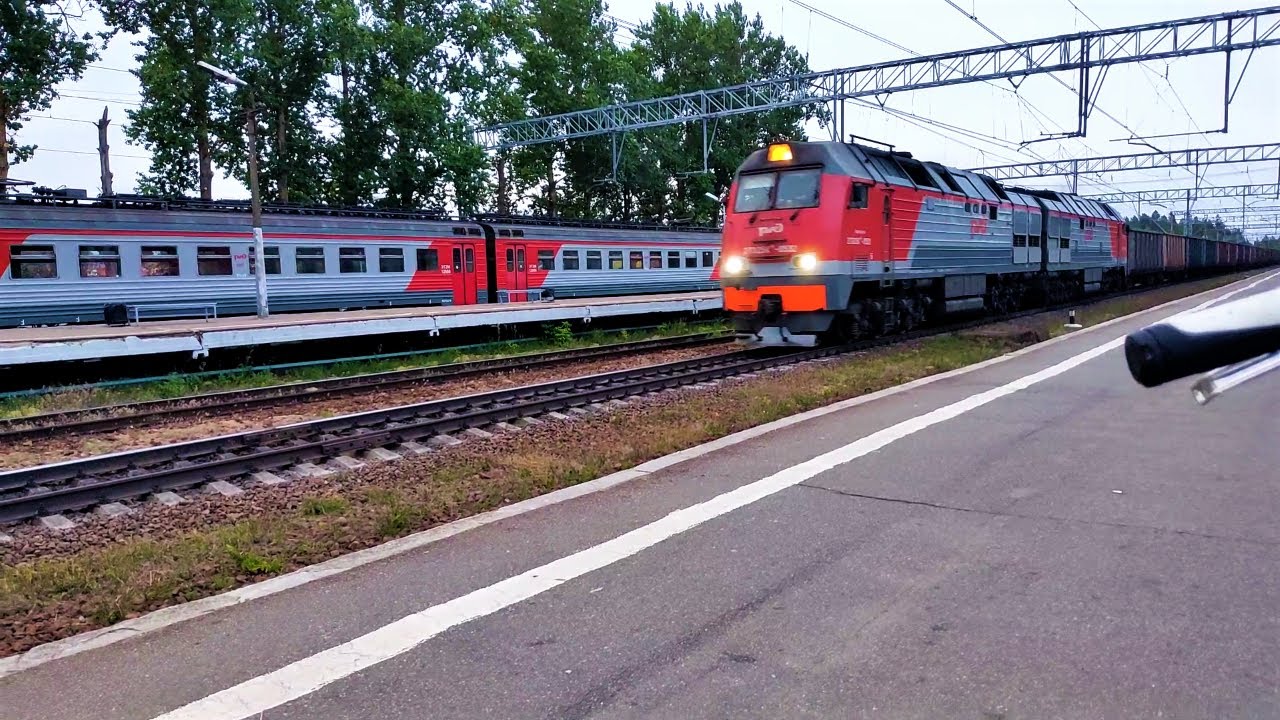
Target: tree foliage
<point x="38" y="50"/>
<point x="1203" y="227"/>
<point x="183" y="119"/>
<point x="375" y="101"/>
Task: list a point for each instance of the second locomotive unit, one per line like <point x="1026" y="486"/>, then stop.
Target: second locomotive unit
<point x="832" y="240"/>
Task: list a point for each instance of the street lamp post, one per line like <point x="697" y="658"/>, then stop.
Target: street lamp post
<point x="255" y="201"/>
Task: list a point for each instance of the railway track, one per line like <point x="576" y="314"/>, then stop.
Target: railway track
<point x="81" y="484"/>
<point x="112" y="417"/>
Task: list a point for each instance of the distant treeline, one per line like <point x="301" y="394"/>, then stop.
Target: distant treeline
<point x="1214" y="229"/>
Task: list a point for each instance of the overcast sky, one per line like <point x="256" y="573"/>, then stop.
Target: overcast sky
<point x="1183" y="95"/>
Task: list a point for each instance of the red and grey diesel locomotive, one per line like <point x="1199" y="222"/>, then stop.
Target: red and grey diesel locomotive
<point x="832" y="240"/>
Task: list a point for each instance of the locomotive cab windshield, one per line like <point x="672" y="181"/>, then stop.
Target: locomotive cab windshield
<point x="781" y="190"/>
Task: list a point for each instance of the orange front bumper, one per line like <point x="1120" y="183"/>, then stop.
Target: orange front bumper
<point x="795" y="298"/>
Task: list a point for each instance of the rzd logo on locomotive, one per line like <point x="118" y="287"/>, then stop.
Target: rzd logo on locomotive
<point x="770" y="229"/>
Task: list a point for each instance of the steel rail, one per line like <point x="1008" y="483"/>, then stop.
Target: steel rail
<point x="113" y="417"/>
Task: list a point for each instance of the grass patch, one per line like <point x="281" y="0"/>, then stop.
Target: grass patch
<point x="47" y="598"/>
<point x="555" y="337"/>
<point x="323" y="506"/>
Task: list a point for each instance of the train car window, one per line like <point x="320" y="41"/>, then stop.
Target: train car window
<point x="352" y="260"/>
<point x="547" y="260"/>
<point x="33" y="262"/>
<point x="994" y="187"/>
<point x="473" y="231"/>
<point x="947" y="178"/>
<point x="459" y="231"/>
<point x="428" y="260"/>
<point x="754" y="192"/>
<point x="636" y="258"/>
<point x="213" y="260"/>
<point x="1081" y="223"/>
<point x="504" y="233"/>
<point x="615" y="259"/>
<point x="570" y="260"/>
<point x="1019" y="222"/>
<point x="969" y="188"/>
<point x="993" y="212"/>
<point x="1066" y="243"/>
<point x="457" y="260"/>
<point x="707" y="259"/>
<point x="517" y="233"/>
<point x="917" y="173"/>
<point x="160" y="261"/>
<point x="511" y="260"/>
<point x="655" y="259"/>
<point x="690" y="258"/>
<point x="798" y="189"/>
<point x="520" y="259"/>
<point x="673" y="259"/>
<point x="1019" y="240"/>
<point x="390" y="260"/>
<point x="273" y="260"/>
<point x="593" y="260"/>
<point x="99" y="261"/>
<point x="471" y="259"/>
<point x="1033" y="224"/>
<point x="968" y="207"/>
<point x="886" y="165"/>
<point x="858" y="196"/>
<point x="309" y="260"/>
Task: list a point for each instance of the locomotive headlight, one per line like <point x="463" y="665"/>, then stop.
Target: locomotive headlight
<point x="807" y="262"/>
<point x="734" y="264"/>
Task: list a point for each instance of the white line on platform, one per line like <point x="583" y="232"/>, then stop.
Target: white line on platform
<point x="175" y="614"/>
<point x="310" y="674"/>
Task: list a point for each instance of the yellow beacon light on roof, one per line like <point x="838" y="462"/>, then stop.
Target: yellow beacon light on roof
<point x="779" y="153"/>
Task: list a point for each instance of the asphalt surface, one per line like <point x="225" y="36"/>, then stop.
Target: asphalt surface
<point x="1083" y="548"/>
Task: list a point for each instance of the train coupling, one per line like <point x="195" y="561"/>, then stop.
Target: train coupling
<point x="776" y="336"/>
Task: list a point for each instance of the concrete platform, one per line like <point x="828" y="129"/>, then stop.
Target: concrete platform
<point x="23" y="346"/>
<point x="953" y="548"/>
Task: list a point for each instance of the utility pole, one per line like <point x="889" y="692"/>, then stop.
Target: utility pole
<point x="104" y="156"/>
<point x="255" y="200"/>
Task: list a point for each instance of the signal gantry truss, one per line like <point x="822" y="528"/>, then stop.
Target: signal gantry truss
<point x="1187" y="195"/>
<point x="1221" y="33"/>
<point x="1196" y="157"/>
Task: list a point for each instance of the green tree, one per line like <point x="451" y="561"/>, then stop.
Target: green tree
<point x="568" y="61"/>
<point x="685" y="51"/>
<point x="184" y="115"/>
<point x="353" y="156"/>
<point x="426" y="67"/>
<point x="38" y="50"/>
<point x="284" y="56"/>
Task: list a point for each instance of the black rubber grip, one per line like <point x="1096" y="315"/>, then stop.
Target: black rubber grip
<point x="1161" y="353"/>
